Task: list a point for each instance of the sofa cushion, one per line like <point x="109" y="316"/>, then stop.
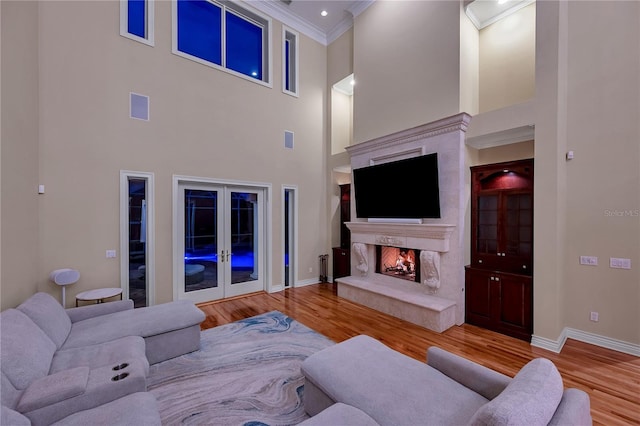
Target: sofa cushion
<point x="145" y="322"/>
<point x="26" y="350"/>
<point x="113" y="353"/>
<point x="49" y="315"/>
<point x="531" y="398"/>
<point x="8" y="393"/>
<point x="138" y="408"/>
<point x="10" y="417"/>
<point x="390" y="387"/>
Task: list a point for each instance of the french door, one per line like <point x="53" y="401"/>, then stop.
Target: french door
<point x="221" y="243"/>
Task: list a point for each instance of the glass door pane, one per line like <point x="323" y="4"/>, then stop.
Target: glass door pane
<point x="200" y="270"/>
<point x="487" y="239"/>
<point x="244" y="238"/>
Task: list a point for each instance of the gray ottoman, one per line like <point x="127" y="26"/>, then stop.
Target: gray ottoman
<point x="340" y="414"/>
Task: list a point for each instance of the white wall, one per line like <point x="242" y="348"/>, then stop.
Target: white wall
<point x="406" y="66"/>
<point x="19" y="146"/>
<point x="507" y="60"/>
<point x="587" y="100"/>
<point x="204" y="122"/>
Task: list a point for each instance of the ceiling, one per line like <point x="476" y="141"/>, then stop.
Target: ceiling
<point x="337" y="11"/>
<point x="305" y="15"/>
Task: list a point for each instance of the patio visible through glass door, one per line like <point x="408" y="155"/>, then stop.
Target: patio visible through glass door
<point x="222" y="242"/>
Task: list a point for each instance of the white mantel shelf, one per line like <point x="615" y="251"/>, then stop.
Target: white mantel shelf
<point x="423" y="236"/>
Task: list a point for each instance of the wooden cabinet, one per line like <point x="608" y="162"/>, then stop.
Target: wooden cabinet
<point x="500" y="301"/>
<point x="342" y="254"/>
<point x="499" y="284"/>
<point x="341" y="263"/>
<point x="345" y="215"/>
<point x="502" y="217"/>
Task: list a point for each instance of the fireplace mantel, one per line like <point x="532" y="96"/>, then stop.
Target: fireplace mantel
<point x="423" y="236"/>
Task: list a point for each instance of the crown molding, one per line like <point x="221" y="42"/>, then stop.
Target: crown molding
<point x="493" y="19"/>
<point x="339" y="29"/>
<point x="359" y="7"/>
<point x="276" y="11"/>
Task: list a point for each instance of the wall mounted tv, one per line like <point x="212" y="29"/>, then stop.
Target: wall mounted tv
<point x="403" y="189"/>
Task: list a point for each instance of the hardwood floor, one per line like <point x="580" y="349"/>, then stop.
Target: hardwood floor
<point x="612" y="379"/>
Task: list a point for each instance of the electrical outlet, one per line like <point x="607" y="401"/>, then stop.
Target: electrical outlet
<point x="594" y="316"/>
<point x="310" y="270"/>
<point x="111" y="254"/>
<point x="619" y="263"/>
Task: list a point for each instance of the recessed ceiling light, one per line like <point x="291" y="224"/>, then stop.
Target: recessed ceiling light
<point x="324" y="13"/>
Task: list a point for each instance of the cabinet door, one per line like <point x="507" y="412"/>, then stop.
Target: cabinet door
<point x="341" y="263"/>
<point x="478" y="300"/>
<point x="516" y="296"/>
<point x="345" y="215"/>
<point x="502" y="217"/>
<point x="517" y="239"/>
<point x="487" y="235"/>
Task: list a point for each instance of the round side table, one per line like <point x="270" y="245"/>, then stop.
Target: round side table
<point x="98" y="295"/>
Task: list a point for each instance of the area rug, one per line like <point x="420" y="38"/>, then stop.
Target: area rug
<point x="246" y="373"/>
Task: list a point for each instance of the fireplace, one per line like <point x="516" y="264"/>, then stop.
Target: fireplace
<point x="435" y="298"/>
<point x="398" y="262"/>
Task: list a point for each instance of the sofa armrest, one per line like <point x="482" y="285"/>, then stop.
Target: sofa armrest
<point x="99" y="309"/>
<point x="480" y="379"/>
<point x="103" y="385"/>
<point x="574" y="409"/>
<point x="54" y="388"/>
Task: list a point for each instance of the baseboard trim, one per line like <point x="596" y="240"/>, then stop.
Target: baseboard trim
<point x="583" y="336"/>
<point x="307" y="282"/>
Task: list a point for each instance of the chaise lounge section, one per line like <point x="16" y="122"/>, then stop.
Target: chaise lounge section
<point x="363" y="382"/>
<point x="71" y="365"/>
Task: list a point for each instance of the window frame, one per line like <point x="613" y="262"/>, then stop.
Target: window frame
<point x="149" y="18"/>
<point x="296" y="38"/>
<point x="244" y="12"/>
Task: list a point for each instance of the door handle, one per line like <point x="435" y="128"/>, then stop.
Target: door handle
<point x="228" y="254"/>
<point x="222" y="256"/>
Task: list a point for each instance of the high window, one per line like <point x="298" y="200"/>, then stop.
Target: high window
<point x="223" y="35"/>
<point x="290" y="62"/>
<point x="136" y="20"/>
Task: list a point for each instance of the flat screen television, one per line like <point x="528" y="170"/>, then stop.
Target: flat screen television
<point x="403" y="189"/>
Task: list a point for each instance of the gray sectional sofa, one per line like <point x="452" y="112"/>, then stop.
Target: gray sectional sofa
<point x="363" y="382"/>
<point x="88" y="365"/>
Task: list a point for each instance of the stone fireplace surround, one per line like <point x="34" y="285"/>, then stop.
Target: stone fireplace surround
<point x="436" y="307"/>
